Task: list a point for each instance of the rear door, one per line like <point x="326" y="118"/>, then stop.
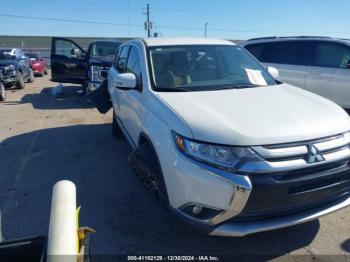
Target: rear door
<point x="287" y="56"/>
<point x="68" y="61"/>
<point x="329" y="75"/>
<point x="320" y="77"/>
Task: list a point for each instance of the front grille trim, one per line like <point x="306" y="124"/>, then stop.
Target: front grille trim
<point x="284" y="157"/>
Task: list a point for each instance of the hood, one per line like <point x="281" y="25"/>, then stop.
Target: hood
<point x="258" y="116"/>
<point x="101" y="60"/>
<point x="6" y="62"/>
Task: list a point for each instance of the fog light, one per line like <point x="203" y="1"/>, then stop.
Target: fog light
<point x="196" y="210"/>
<point x="199" y="211"/>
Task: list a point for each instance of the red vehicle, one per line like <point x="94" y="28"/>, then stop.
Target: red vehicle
<point x="38" y="64"/>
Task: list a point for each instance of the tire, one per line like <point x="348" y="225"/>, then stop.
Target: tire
<point x="45" y="71"/>
<point x="116" y="131"/>
<point x="2" y="92"/>
<point x="31" y="78"/>
<point x="84" y="88"/>
<point x="20" y="81"/>
<point x="145" y="165"/>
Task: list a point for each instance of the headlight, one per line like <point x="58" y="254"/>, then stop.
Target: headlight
<point x="223" y="157"/>
<point x="10" y="68"/>
<point x="94" y="73"/>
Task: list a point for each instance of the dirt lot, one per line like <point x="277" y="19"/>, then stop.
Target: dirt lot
<point x="45" y="139"/>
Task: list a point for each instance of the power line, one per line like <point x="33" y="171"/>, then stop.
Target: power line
<point x="161" y="26"/>
<point x="69" y="20"/>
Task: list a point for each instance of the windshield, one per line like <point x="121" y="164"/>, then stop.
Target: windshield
<point x="5" y="53"/>
<point x="104" y="49"/>
<point x="205" y="67"/>
<point x="32" y="56"/>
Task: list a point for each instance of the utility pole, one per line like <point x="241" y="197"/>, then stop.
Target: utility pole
<point x="148" y="24"/>
<point x="205" y="29"/>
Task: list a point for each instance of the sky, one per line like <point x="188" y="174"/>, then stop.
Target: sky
<point x="230" y="19"/>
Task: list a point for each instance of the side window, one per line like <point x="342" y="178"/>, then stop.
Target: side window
<point x="331" y="55"/>
<point x="133" y="65"/>
<point x="68" y="49"/>
<point x="256" y="50"/>
<point x="287" y="52"/>
<point x="122" y="59"/>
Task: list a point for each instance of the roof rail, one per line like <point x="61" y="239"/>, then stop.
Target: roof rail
<point x="262" y="38"/>
<point x="286" y="37"/>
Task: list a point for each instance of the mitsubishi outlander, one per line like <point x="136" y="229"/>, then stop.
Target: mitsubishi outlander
<point x="222" y="143"/>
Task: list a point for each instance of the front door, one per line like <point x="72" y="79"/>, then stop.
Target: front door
<point x="119" y="67"/>
<point x="68" y="61"/>
<point x="131" y="100"/>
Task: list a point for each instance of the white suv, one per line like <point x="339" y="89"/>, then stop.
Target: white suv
<point x="318" y="64"/>
<point x="222" y="143"/>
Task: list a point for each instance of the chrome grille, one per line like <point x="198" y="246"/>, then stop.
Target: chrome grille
<point x="300" y="155"/>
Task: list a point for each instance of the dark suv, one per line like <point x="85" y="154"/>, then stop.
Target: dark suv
<point x="15" y="67"/>
<point x="2" y="88"/>
<point x="70" y="63"/>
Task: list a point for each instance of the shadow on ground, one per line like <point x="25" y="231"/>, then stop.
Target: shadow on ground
<point x="346" y="245"/>
<point x="127" y="219"/>
<point x="72" y="98"/>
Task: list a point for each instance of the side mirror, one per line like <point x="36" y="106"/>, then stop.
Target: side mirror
<point x="75" y="53"/>
<point x="125" y="81"/>
<point x="273" y="71"/>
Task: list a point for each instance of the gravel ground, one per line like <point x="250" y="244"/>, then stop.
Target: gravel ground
<point x="44" y="139"/>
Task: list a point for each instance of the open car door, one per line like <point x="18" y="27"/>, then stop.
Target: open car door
<point x="68" y="61"/>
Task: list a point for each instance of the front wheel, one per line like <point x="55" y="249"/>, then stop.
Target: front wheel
<point x="2" y="92"/>
<point x="20" y="81"/>
<point x="146" y="166"/>
<point x="84" y="88"/>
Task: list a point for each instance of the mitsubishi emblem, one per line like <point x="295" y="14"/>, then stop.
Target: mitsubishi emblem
<point x="313" y="155"/>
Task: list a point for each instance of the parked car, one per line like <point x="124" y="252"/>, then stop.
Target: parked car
<point x="2" y="88"/>
<point x="70" y="63"/>
<point x="318" y="64"/>
<point x="220" y="142"/>
<point x="38" y="63"/>
<point x="15" y="67"/>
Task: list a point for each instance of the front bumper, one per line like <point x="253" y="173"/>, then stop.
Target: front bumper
<point x="38" y="70"/>
<point x="239" y="229"/>
<point x="10" y="79"/>
<point x="261" y="202"/>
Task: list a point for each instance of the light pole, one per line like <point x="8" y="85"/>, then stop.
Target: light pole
<point x="205" y="29"/>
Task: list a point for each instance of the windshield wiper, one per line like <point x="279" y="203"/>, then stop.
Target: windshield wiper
<point x="172" y="89"/>
<point x="239" y="86"/>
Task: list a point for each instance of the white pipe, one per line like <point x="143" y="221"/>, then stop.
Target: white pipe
<point x="62" y="238"/>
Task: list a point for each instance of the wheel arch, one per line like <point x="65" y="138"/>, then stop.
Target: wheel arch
<point x="144" y="139"/>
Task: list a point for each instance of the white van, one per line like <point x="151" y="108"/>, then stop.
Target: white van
<point x="318" y="64"/>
